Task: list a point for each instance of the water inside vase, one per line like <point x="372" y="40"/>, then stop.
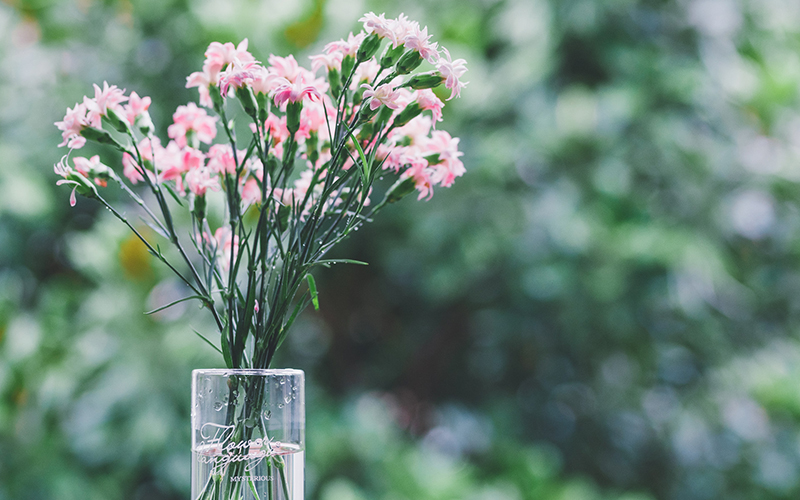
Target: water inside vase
<point x="271" y="472"/>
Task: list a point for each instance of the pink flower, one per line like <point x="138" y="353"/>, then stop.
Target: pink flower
<point x="449" y="166"/>
<point x="221" y="160"/>
<point x="275" y="127"/>
<point x="418" y="40"/>
<point x="451" y="71"/>
<point x="366" y="72"/>
<point x="392" y="156"/>
<point x="191" y="119"/>
<point x="327" y="61"/>
<point x="170" y="163"/>
<point x="402" y="27"/>
<point x="219" y="55"/>
<point x="379" y="25"/>
<point x="130" y="170"/>
<point x="201" y="80"/>
<point x="427" y="100"/>
<point x="384" y="94"/>
<point x="136" y="106"/>
<point x="266" y="81"/>
<point x="286" y="67"/>
<point x="74" y="122"/>
<point x="108" y="97"/>
<point x="416" y="130"/>
<point x="225" y="244"/>
<point x="200" y="180"/>
<point x="64" y="171"/>
<point x="251" y="192"/>
<point x="347" y="47"/>
<point x="91" y="167"/>
<point x="419" y="171"/>
<point x="295" y="92"/>
<point x="238" y="75"/>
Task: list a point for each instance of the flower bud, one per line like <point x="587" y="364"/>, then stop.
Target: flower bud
<point x="427" y="80"/>
<point x="368" y="48"/>
<point x="293" y="116"/>
<point x="347" y="66"/>
<point x="335" y="80"/>
<point x="408" y="114"/>
<point x="408" y="63"/>
<point x="199" y="207"/>
<point x="263" y="106"/>
<point x="400" y="189"/>
<point x="391" y="55"/>
<point x="384" y="114"/>
<point x="247" y="100"/>
<point x="216" y="98"/>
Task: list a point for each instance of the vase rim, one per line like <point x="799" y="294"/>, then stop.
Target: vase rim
<point x="247" y="371"/>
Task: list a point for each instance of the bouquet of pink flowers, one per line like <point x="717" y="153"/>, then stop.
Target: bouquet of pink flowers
<point x="288" y="185"/>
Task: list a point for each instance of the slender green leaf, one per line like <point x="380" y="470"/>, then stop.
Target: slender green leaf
<point x="329" y="262"/>
<point x="158" y="309"/>
<point x="208" y="342"/>
<point x="172" y="192"/>
<point x="312" y="289"/>
<point x="365" y="166"/>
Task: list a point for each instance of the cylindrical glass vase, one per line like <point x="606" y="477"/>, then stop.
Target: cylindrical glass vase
<point x="248" y="434"/>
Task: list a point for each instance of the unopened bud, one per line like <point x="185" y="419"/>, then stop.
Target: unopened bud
<point x="408" y="63"/>
<point x="347" y="66"/>
<point x="335" y="80"/>
<point x="199" y="207"/>
<point x="400" y="189"/>
<point x="263" y="106"/>
<point x="216" y="98"/>
<point x="293" y="116"/>
<point x="391" y="55"/>
<point x="247" y="100"/>
<point x="425" y="80"/>
<point x="368" y="48"/>
<point x="408" y="114"/>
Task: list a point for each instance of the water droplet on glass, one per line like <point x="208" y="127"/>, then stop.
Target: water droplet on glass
<point x="282" y="380"/>
<point x="267" y="415"/>
<point x="218" y="406"/>
<point x="280" y="405"/>
<point x="288" y="399"/>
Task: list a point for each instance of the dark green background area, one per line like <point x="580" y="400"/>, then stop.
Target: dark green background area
<point x="604" y="307"/>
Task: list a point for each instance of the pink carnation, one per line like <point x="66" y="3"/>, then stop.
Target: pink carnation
<point x="192" y="119"/>
<point x="200" y="180"/>
<point x="221" y="160"/>
<point x="418" y="40"/>
<point x="136" y="106"/>
<point x="380" y="26"/>
<point x="385" y="94"/>
<point x="451" y="71"/>
<point x="294" y="92"/>
<point x="74" y="122"/>
<point x="427" y="100"/>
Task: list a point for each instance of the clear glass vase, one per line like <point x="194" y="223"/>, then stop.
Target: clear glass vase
<point x="248" y="434"/>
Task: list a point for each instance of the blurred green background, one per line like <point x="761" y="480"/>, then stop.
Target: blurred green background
<point x="604" y="307"/>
